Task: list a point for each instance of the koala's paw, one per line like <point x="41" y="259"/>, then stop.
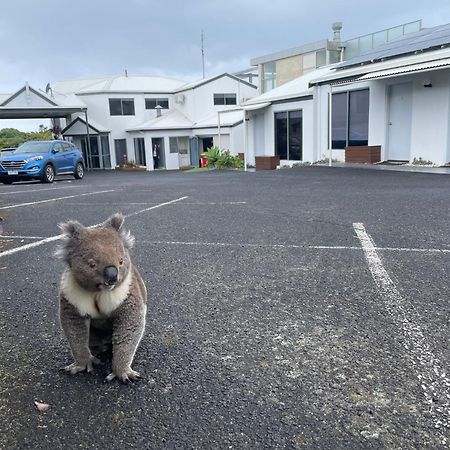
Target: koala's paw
<point x="82" y="365"/>
<point x="125" y="376"/>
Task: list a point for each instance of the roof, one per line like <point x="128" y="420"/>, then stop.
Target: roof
<point x="170" y="120"/>
<point x="196" y="84"/>
<point x="299" y="87"/>
<point x="119" y="84"/>
<point x="93" y="126"/>
<point x="227" y="119"/>
<point x="351" y="73"/>
<point x="424" y="40"/>
<point x="30" y="103"/>
<point x="305" y="48"/>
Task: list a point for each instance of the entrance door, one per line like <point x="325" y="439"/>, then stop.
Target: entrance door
<point x="399" y="122"/>
<point x="120" y="147"/>
<point x="139" y="150"/>
<point x="159" y="161"/>
<point x="195" y="156"/>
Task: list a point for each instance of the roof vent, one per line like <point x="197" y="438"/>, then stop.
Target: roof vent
<point x="337" y="27"/>
<point x="158" y="110"/>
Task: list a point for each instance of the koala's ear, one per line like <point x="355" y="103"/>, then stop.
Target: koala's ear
<point x="115" y="221"/>
<point x="71" y="228"/>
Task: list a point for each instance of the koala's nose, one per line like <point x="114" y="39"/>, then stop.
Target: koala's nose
<point x="110" y="274"/>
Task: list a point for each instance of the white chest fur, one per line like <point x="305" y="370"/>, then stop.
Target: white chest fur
<point x="94" y="304"/>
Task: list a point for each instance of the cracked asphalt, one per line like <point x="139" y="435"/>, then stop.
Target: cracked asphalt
<point x="265" y="328"/>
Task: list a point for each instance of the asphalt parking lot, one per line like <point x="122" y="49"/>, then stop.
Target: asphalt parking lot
<point x="301" y="308"/>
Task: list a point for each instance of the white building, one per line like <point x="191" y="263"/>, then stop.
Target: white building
<point x="394" y="101"/>
<point x="154" y="122"/>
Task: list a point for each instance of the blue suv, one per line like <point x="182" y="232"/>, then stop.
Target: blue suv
<point x="41" y="160"/>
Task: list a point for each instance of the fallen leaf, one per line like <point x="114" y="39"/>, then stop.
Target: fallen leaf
<point x="42" y="407"/>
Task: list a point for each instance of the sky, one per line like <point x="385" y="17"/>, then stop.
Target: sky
<point x="46" y="40"/>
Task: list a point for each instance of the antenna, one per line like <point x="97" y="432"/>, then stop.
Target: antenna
<point x="203" y="54"/>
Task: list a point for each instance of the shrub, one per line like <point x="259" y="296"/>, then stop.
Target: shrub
<point x="222" y="159"/>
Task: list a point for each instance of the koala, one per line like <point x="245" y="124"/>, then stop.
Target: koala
<point x="103" y="299"/>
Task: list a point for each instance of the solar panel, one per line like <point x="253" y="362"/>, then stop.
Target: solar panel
<point x="410" y="43"/>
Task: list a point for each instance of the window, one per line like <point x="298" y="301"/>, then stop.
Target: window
<point x="121" y="106"/>
<point x="224" y="99"/>
<point x="289" y="135"/>
<point x="269" y="76"/>
<point x="179" y="145"/>
<point x="67" y="147"/>
<point x="350" y="119"/>
<point x="152" y="103"/>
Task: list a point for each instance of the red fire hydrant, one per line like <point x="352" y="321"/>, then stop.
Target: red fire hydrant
<point x="203" y="161"/>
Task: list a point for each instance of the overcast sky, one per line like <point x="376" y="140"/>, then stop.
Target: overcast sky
<point x="48" y="40"/>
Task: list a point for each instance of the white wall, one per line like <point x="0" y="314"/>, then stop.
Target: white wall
<point x="430" y="122"/>
<point x="261" y="129"/>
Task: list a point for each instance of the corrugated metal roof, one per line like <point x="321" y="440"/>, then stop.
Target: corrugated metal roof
<point x="404" y="61"/>
<point x="423" y="40"/>
<point x="423" y="67"/>
<point x="171" y="120"/>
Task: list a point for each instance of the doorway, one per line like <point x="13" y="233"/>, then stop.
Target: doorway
<point x="98" y="157"/>
<point x="207" y="142"/>
<point x="139" y="151"/>
<point x="159" y="161"/>
<point x="120" y="146"/>
<point x="399" y="122"/>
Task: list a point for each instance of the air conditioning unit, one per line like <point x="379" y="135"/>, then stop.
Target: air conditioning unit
<point x="179" y="98"/>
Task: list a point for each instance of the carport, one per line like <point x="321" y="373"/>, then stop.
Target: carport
<point x="30" y="103"/>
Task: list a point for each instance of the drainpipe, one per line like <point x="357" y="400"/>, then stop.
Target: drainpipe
<point x="245" y="140"/>
<point x="218" y="127"/>
<point x="88" y="138"/>
<point x="330" y="125"/>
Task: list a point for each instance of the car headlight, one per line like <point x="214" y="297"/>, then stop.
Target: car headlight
<point x="34" y="158"/>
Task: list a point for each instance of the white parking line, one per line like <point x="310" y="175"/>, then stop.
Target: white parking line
<point x="60" y="236"/>
<point x="433" y="379"/>
<point x="314" y="247"/>
<point x="33" y="189"/>
<point x="18" y="205"/>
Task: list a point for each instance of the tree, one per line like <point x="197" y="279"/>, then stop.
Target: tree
<point x="10" y="137"/>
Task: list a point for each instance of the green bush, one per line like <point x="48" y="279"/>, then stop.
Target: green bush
<point x="222" y="159"/>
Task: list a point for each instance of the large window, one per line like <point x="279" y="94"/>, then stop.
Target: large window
<point x="224" y="99"/>
<point x="289" y="135"/>
<point x="350" y="119"/>
<point x="121" y="106"/>
<point x="152" y="103"/>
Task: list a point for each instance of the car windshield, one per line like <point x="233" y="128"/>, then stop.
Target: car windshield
<point x="33" y="147"/>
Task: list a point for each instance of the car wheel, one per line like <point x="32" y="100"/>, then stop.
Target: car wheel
<point x="79" y="171"/>
<point x="7" y="181"/>
<point x="49" y="174"/>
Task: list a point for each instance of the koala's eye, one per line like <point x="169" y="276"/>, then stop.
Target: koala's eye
<point x="91" y="264"/>
<point x="121" y="262"/>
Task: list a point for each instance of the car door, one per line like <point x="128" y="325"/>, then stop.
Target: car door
<point x="59" y="157"/>
<point x="70" y="153"/>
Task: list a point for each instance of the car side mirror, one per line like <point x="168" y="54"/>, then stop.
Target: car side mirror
<point x="55" y="150"/>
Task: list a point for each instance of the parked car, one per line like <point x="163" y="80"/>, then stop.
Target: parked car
<point x="6" y="151"/>
<point x="41" y="160"/>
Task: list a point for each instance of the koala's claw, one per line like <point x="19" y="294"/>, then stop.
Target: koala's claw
<point x="125" y="376"/>
<point x="74" y="368"/>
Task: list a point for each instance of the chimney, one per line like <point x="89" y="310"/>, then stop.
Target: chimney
<point x="337" y="27"/>
<point x="158" y="110"/>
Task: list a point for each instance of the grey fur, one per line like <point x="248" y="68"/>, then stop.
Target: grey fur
<point x="93" y="314"/>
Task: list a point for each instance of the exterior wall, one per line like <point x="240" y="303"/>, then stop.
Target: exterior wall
<point x="430" y="118"/>
<point x="289" y="68"/>
<point x="199" y="102"/>
<point x="261" y="129"/>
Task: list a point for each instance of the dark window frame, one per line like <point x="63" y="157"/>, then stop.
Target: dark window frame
<point x="121" y="111"/>
<point x="152" y="103"/>
<point x="289" y="140"/>
<point x="340" y="144"/>
<point x="223" y="99"/>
